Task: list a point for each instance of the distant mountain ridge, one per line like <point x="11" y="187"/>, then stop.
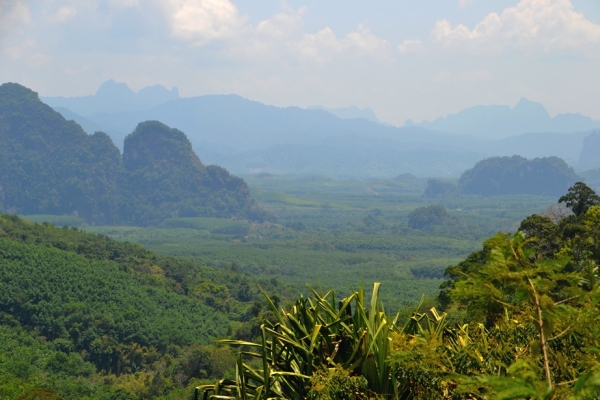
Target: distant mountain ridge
<point x="49" y="165"/>
<point x="114" y="97"/>
<point x="349" y="112"/>
<point x="247" y="136"/>
<point x="500" y="121"/>
<point x="588" y="159"/>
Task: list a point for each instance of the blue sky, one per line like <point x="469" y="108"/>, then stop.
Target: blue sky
<point x="416" y="59"/>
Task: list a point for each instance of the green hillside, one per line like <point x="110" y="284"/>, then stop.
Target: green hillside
<point x="89" y="316"/>
<point x="51" y="166"/>
<point x="548" y="176"/>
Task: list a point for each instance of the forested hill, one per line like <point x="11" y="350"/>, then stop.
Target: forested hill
<point x="49" y="165"/>
<point x="549" y="176"/>
<point x="165" y="178"/>
<point x="99" y="319"/>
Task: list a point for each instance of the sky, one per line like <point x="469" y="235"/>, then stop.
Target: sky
<point x="418" y="59"/>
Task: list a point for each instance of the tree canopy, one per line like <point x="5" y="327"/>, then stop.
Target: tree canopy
<point x="520" y="320"/>
<point x="580" y="198"/>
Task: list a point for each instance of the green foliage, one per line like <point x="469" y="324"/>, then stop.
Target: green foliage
<point x="515" y="175"/>
<point x="315" y="333"/>
<point x="522" y="382"/>
<point x="97" y="305"/>
<point x="580" y="198"/>
<point x="530" y="329"/>
<point x="544" y="279"/>
<point x="40" y="394"/>
<point x="51" y="166"/>
<point x="57" y="220"/>
<point x="96" y="318"/>
<point x="439" y="189"/>
<point x="426" y="217"/>
<point x="213" y="225"/>
<point x="348" y="234"/>
<point x="351" y="231"/>
<point x="336" y="384"/>
<point x="29" y="368"/>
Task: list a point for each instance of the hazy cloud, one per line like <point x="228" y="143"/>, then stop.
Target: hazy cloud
<point x="410" y="47"/>
<point x="363" y="43"/>
<point x="13" y="15"/>
<point x="282" y="25"/>
<point x="125" y="3"/>
<point x="330" y="53"/>
<point x="533" y="26"/>
<point x="202" y="21"/>
<point x="63" y="14"/>
<point x="325" y="45"/>
<point x="283" y="36"/>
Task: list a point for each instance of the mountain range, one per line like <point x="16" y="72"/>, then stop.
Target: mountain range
<point x="350" y="113"/>
<point x="246" y="136"/>
<point x="115" y="97"/>
<point x="49" y="165"/>
<point x="501" y="121"/>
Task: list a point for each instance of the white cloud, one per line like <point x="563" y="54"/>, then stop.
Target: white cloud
<point x="14" y="14"/>
<point x="283" y="37"/>
<point x="125" y="3"/>
<point x="282" y="25"/>
<point x="27" y="52"/>
<point x="324" y="45"/>
<point x="64" y="14"/>
<point x="533" y="26"/>
<point x="410" y="47"/>
<point x="320" y="46"/>
<point x="464" y="3"/>
<point x="363" y="43"/>
<point x="202" y="21"/>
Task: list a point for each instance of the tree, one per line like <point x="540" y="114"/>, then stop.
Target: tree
<point x="425" y="217"/>
<point x="543" y="293"/>
<point x="40" y="394"/>
<point x="580" y="198"/>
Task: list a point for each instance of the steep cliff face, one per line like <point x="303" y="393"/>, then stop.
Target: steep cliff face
<point x="166" y="179"/>
<point x="49" y="165"/>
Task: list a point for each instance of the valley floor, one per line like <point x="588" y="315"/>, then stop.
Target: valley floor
<point x="339" y="234"/>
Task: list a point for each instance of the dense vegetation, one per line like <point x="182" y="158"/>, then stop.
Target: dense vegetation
<point x="51" y="166"/>
<point x="549" y="176"/>
<point x="437" y="188"/>
<point x="521" y="321"/>
<point x="95" y="318"/>
<point x="426" y="217"/>
<point x="338" y="233"/>
<point x="329" y="233"/>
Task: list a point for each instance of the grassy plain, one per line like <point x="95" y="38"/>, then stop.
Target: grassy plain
<point x="337" y="234"/>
